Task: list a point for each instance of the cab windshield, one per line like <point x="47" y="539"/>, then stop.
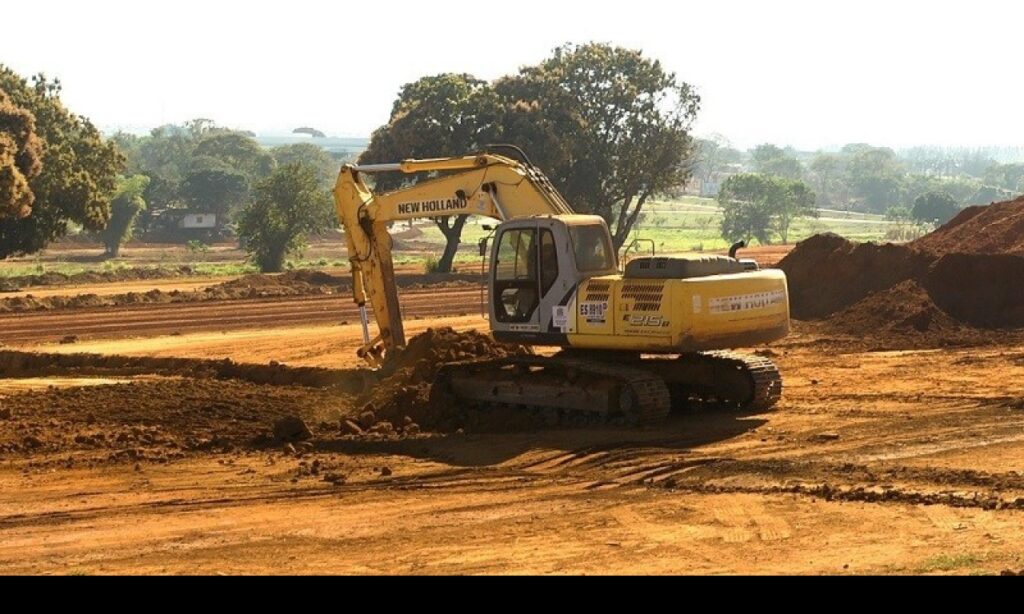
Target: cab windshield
<point x="592" y="247"/>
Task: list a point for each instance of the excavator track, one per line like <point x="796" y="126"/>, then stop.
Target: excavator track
<point x="732" y="380"/>
<point x="570" y="389"/>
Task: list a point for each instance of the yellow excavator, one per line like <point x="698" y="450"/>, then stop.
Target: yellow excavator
<point x="632" y="342"/>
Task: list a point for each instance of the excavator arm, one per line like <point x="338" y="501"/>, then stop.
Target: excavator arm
<point x="486" y="185"/>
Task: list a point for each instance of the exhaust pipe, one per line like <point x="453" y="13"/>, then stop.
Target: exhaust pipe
<point x="736" y="248"/>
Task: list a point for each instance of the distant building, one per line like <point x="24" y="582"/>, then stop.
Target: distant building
<point x="706" y="188"/>
<point x="198" y="221"/>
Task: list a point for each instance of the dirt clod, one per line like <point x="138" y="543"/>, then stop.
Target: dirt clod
<point x="351" y="428"/>
<point x="336" y="479"/>
<point x="367" y="419"/>
<point x="291" y="429"/>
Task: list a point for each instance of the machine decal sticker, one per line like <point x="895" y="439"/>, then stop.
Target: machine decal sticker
<point x="594" y="313"/>
<point x="560" y="318"/>
<point x="524" y="328"/>
<point x="697" y="304"/>
<point x="646" y="321"/>
<point x="429" y="207"/>
<point x="746" y="302"/>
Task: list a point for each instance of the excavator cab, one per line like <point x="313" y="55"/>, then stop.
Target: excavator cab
<point x="536" y="265"/>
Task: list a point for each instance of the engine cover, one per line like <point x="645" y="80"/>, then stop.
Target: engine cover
<point x="682" y="267"/>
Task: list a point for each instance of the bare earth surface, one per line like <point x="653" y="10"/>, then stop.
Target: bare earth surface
<point x="875" y="462"/>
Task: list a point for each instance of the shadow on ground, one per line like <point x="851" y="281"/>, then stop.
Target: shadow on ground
<point x="681" y="433"/>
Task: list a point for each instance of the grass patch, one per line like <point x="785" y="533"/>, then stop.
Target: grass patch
<point x="946" y="562"/>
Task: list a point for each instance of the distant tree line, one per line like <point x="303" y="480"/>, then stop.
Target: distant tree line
<point x="58" y="174"/>
<point x="926" y="185"/>
<point x="202" y="168"/>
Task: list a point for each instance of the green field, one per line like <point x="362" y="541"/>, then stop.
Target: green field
<point x="687" y="225"/>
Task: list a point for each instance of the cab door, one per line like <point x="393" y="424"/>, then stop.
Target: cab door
<point x="531" y="282"/>
<point x="515" y="289"/>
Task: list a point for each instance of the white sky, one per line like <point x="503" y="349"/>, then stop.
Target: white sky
<point x="809" y="74"/>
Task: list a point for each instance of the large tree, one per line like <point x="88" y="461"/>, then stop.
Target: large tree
<point x="126" y="205"/>
<point x="436" y="116"/>
<point x="21" y="151"/>
<point x="79" y="169"/>
<point x="287" y="206"/>
<point x="756" y="206"/>
<point x="610" y="126"/>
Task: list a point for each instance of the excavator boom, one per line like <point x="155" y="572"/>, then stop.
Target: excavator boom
<point x="486" y="185"/>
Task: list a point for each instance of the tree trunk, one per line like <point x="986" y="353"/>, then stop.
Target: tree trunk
<point x="272" y="262"/>
<point x="453" y="235"/>
<point x="627" y="219"/>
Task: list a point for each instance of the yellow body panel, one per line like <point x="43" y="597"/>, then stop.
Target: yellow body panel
<point x="677" y="315"/>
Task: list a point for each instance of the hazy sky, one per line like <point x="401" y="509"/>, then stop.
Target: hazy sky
<point x="810" y="74"/>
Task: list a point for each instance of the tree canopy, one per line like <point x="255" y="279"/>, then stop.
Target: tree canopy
<point x="436" y="116"/>
<point x="21" y="151"/>
<point x="126" y="205"/>
<point x="876" y="176"/>
<point x="307" y="153"/>
<point x="934" y="207"/>
<point x="214" y="187"/>
<point x="286" y="207"/>
<point x="609" y="126"/>
<point x="758" y="206"/>
<point x="238" y="151"/>
<point x="78" y="173"/>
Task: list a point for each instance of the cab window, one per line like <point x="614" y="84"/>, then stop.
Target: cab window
<point x="548" y="261"/>
<point x="515" y="256"/>
<point x="516" y="292"/>
<point x="592" y="247"/>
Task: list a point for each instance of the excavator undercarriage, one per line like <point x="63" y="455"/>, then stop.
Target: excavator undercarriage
<point x="613" y="388"/>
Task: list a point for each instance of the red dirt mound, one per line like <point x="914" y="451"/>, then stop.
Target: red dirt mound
<point x="881" y="291"/>
<point x="905" y="308"/>
<point x="404" y="388"/>
<point x="827" y="273"/>
<point x="982" y="290"/>
<point x="992" y="229"/>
